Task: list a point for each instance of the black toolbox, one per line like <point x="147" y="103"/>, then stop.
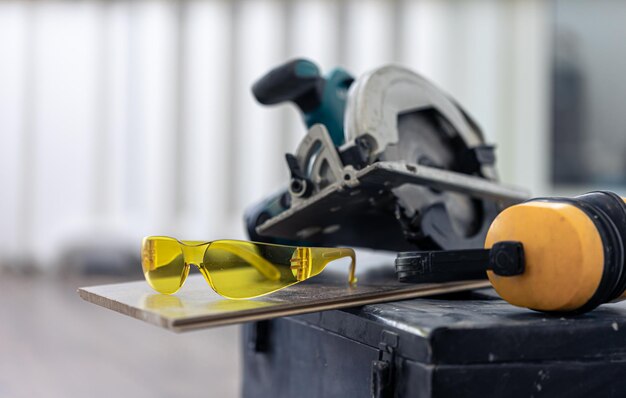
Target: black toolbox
<point x="470" y="344"/>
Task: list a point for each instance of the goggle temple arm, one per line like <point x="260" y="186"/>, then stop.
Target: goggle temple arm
<point x="330" y="255"/>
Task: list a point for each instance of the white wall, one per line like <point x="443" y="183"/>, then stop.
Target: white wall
<point x="130" y="118"/>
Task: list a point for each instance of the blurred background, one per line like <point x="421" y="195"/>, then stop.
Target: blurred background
<point x="120" y="119"/>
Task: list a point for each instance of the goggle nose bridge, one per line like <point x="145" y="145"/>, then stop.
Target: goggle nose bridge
<point x="194" y="255"/>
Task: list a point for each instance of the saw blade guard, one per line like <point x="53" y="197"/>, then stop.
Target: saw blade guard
<point x="408" y="119"/>
<point x="377" y="98"/>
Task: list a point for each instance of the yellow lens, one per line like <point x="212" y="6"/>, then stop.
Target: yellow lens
<point x="163" y="264"/>
<point x="239" y="270"/>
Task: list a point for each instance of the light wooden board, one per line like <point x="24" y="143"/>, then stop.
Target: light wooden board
<point x="196" y="306"/>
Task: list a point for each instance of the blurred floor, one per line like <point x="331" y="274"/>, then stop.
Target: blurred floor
<point x="53" y="344"/>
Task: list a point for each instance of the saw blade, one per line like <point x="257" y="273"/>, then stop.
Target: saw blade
<point x="425" y="139"/>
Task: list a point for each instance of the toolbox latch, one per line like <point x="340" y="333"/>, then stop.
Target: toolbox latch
<point x="259" y="338"/>
<point x="383" y="368"/>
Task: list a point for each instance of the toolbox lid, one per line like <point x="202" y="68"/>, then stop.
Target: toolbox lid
<point x="478" y="327"/>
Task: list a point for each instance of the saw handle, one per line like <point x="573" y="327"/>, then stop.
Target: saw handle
<point x="321" y="99"/>
<point x="298" y="81"/>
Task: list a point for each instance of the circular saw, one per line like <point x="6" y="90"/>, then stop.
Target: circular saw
<point x="388" y="162"/>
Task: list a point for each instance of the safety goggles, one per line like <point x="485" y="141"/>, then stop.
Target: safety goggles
<point x="234" y="269"/>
